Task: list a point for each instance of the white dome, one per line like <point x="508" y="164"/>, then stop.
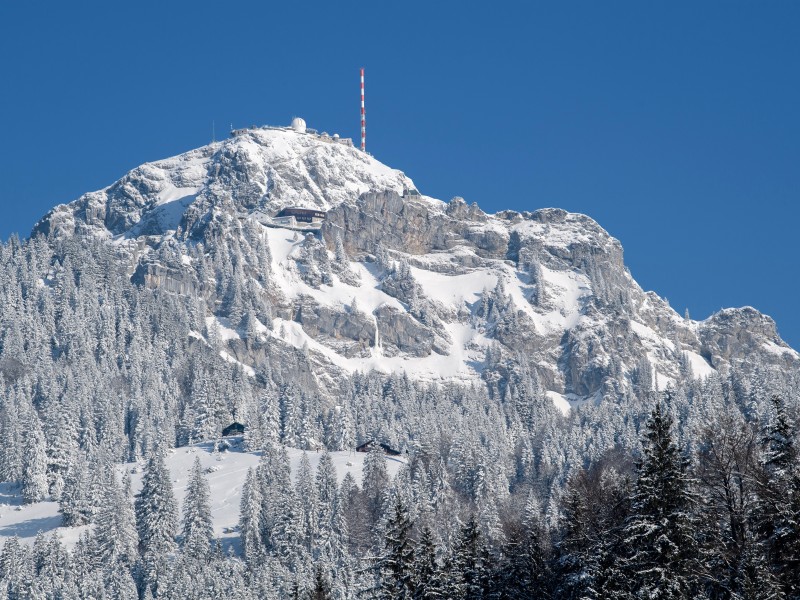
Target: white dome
<point x="299" y="125"/>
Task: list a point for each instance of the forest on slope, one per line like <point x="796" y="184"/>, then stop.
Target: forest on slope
<point x="502" y="495"/>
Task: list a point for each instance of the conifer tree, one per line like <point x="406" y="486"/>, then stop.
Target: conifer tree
<point x="251" y="519"/>
<point x="15" y="569"/>
<point x="397" y="563"/>
<point x="34" y="459"/>
<point x="778" y="510"/>
<point x="115" y="536"/>
<point x="74" y="503"/>
<point x="660" y="532"/>
<point x="309" y="504"/>
<point x="468" y="568"/>
<point x="197" y="525"/>
<point x="753" y="579"/>
<point x="523" y="567"/>
<point x="322" y="587"/>
<point x="428" y="581"/>
<point x="376" y="483"/>
<point x="156" y="521"/>
<point x="327" y="506"/>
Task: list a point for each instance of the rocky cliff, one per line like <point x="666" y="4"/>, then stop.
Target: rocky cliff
<point x="398" y="281"/>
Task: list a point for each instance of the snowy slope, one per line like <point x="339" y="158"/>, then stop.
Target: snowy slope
<point x="226" y="472"/>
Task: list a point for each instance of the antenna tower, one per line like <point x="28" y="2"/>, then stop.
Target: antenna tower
<point x="363" y="116"/>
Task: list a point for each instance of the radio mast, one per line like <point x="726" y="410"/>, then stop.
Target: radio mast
<point x="363" y="116"/>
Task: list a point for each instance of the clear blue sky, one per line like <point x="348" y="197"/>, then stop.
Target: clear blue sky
<point x="674" y="124"/>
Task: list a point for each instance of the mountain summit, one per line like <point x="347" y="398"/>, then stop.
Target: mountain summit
<point x="395" y="281"/>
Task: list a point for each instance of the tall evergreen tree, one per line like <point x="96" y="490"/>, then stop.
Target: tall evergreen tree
<point x="34" y="458"/>
<point x="753" y="579"/>
<point x="322" y="587"/>
<point x="197" y="526"/>
<point x="397" y="563"/>
<point x="659" y="535"/>
<point x="522" y="571"/>
<point x="251" y="518"/>
<point x="778" y="511"/>
<point x="156" y="521"/>
<point x="428" y="578"/>
<point x="115" y="535"/>
<point x="74" y="504"/>
<point x="468" y="576"/>
<point x="375" y="484"/>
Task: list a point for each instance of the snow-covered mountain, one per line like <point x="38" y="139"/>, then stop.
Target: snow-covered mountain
<point x="397" y="281"/>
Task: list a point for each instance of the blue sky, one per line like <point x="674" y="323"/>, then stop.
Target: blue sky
<point x="674" y="124"/>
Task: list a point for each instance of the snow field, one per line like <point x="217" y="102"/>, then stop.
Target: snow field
<point x="225" y="473"/>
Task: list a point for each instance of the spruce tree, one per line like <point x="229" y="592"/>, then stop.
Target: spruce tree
<point x="306" y="490"/>
<point x="74" y="503"/>
<point x="753" y="579"/>
<point x="468" y="567"/>
<point x="328" y="541"/>
<point x="322" y="587"/>
<point x="156" y="521"/>
<point x="659" y="535"/>
<point x="523" y="567"/>
<point x="251" y="518"/>
<point x="197" y="526"/>
<point x="115" y="536"/>
<point x="16" y="570"/>
<point x="375" y="483"/>
<point x="778" y="511"/>
<point x="397" y="563"/>
<point x="428" y="581"/>
<point x="34" y="459"/>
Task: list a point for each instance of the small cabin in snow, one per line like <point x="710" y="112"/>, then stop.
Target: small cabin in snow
<point x="234" y="428"/>
<point x="372" y="444"/>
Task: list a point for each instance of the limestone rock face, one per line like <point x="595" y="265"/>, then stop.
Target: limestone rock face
<point x="386" y="217"/>
<point x="400" y="282"/>
<point x="401" y="333"/>
<point x="734" y="336"/>
<point x="348" y="332"/>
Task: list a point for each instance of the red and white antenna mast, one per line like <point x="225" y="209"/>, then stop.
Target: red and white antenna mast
<point x="363" y="116"/>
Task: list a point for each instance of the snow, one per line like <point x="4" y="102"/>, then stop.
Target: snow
<point x="650" y="338"/>
<point x="225" y="480"/>
<point x="700" y="366"/>
<point x="556" y="235"/>
<point x="286" y="167"/>
<point x="226" y="332"/>
<point x="27" y="520"/>
<point x="447" y="289"/>
<point x="567" y="289"/>
<point x="171" y="193"/>
<point x="559" y="401"/>
<point x="774" y="348"/>
<point x="454" y="290"/>
<point x="305" y="170"/>
<point x="231" y="359"/>
<point x="461" y="362"/>
<point x="566" y="402"/>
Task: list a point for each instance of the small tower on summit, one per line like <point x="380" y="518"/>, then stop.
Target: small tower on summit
<point x="363" y="116"/>
<point x="299" y="125"/>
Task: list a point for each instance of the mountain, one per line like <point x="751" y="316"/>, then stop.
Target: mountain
<point x="399" y="282"/>
<point x="552" y="418"/>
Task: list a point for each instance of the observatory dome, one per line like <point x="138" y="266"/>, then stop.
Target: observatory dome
<point x="299" y="125"/>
